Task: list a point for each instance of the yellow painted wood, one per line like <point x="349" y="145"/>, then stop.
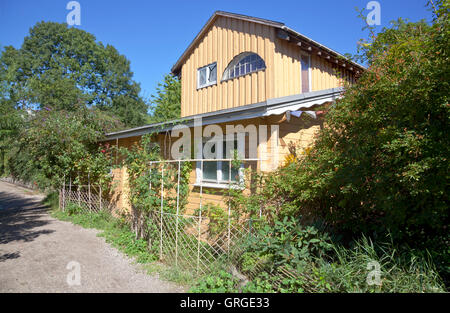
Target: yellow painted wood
<point x="228" y="37"/>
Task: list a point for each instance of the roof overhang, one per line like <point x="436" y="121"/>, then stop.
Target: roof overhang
<point x="283" y="32"/>
<point x="274" y="106"/>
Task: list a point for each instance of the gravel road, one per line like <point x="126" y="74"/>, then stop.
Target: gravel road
<point x="36" y="249"/>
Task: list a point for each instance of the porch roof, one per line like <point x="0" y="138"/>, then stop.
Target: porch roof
<point x="273" y="106"/>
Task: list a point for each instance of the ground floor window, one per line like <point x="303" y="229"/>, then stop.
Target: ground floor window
<point x="219" y="172"/>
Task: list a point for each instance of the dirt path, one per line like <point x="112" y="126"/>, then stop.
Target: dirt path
<point x="35" y="250"/>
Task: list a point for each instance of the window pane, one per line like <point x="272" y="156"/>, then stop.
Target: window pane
<point x="212" y="73"/>
<point x="247" y="63"/>
<point x="305" y="73"/>
<point x="210" y="170"/>
<point x="226" y="172"/>
<point x="226" y="164"/>
<point x="202" y="77"/>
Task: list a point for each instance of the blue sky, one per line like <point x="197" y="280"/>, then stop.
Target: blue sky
<point x="153" y="34"/>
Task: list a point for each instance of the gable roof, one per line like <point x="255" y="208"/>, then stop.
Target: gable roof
<point x="284" y="32"/>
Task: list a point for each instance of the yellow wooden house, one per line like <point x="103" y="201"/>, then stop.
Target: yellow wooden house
<point x="248" y="73"/>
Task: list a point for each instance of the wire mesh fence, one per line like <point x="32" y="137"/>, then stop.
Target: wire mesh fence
<point x="190" y="242"/>
<point x="87" y="197"/>
<point x="196" y="242"/>
<point x="185" y="241"/>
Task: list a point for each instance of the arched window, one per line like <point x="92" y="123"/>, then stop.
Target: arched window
<point x="243" y="64"/>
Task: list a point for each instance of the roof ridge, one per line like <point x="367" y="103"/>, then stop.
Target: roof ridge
<point x="238" y="15"/>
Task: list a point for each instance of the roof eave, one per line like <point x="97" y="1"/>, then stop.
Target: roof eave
<point x="322" y="47"/>
<point x="259" y="109"/>
<point x="176" y="68"/>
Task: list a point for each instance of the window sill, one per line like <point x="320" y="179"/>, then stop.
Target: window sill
<point x="207" y="85"/>
<point x="218" y="185"/>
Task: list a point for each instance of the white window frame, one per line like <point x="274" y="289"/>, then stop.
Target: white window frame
<point x="219" y="182"/>
<point x="236" y="60"/>
<point x="309" y="72"/>
<point x="208" y="71"/>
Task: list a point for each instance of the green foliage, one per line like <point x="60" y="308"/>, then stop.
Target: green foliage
<point x="166" y="105"/>
<point x="57" y="143"/>
<point x="59" y="94"/>
<point x="137" y="160"/>
<point x="381" y="164"/>
<point x="400" y="271"/>
<point x="286" y="242"/>
<point x="217" y="218"/>
<point x="340" y="269"/>
<point x="52" y="200"/>
<point x="263" y="283"/>
<point x="62" y="67"/>
<point x="219" y="282"/>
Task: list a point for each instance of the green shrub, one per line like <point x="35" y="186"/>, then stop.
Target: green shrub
<point x="73" y="208"/>
<point x="219" y="282"/>
<point x="52" y="200"/>
<point x="286" y="242"/>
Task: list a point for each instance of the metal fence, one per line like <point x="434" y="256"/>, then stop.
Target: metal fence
<point x="87" y="197"/>
<point x="188" y="241"/>
<point x="185" y="241"/>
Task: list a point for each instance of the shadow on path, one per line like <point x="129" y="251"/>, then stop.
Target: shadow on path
<point x="19" y="220"/>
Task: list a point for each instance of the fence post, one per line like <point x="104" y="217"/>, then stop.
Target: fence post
<point x="229" y="209"/>
<point x="89" y="191"/>
<point x="149" y="211"/>
<point x="178" y="211"/>
<point x="100" y="195"/>
<point x="79" y="191"/>
<point x="63" y="193"/>
<point x="70" y="190"/>
<point x="161" y="221"/>
<point x="200" y="217"/>
<point x="150" y="177"/>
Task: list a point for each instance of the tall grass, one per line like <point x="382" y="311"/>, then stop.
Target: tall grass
<point x="399" y="271"/>
<point x="52" y="200"/>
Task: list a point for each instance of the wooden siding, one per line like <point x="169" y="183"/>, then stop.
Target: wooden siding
<point x="228" y="37"/>
<point x="298" y="131"/>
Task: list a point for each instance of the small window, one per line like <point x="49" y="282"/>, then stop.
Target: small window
<point x="207" y="75"/>
<point x="218" y="172"/>
<point x="306" y="82"/>
<point x="243" y="64"/>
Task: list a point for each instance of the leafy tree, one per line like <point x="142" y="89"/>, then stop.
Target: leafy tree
<point x="166" y="105"/>
<point x="10" y="122"/>
<point x="64" y="68"/>
<point x="382" y="163"/>
<point x="57" y="143"/>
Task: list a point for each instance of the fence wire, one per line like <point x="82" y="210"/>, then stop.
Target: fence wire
<point x="184" y="241"/>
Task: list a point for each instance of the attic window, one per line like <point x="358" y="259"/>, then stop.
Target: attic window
<point x="207" y="75"/>
<point x="243" y="64"/>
